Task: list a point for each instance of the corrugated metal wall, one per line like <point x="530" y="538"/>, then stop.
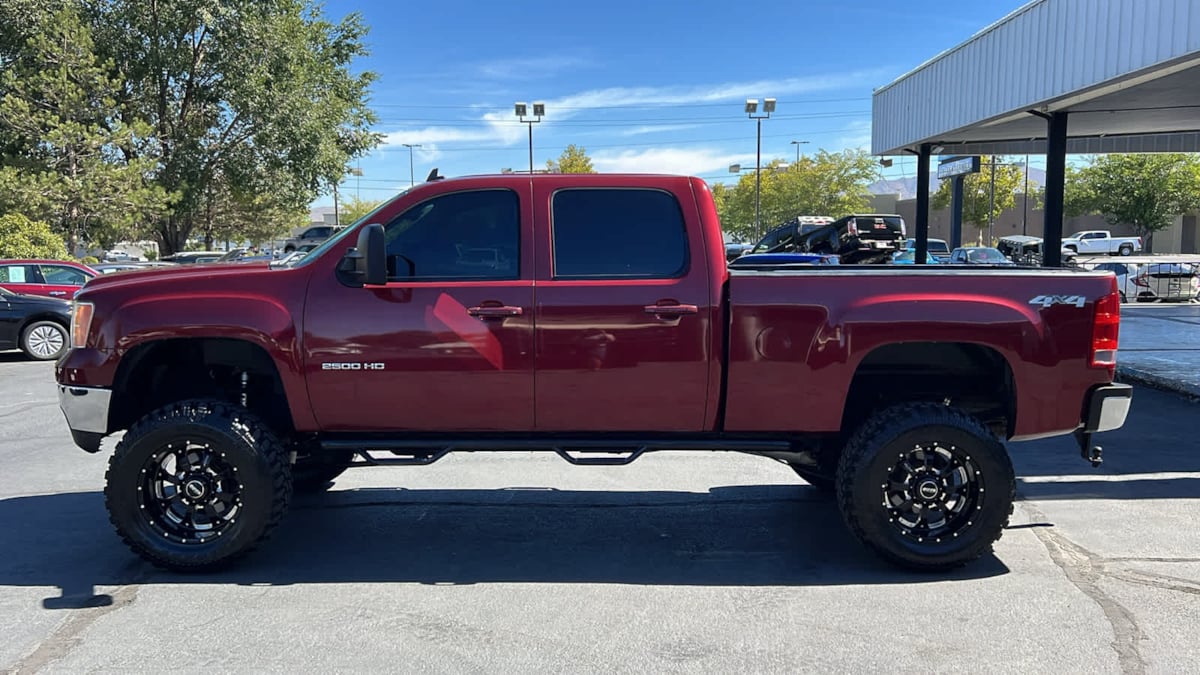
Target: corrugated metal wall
<point x="1043" y="51"/>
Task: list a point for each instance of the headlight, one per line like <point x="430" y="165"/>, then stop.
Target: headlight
<point x="81" y="323"/>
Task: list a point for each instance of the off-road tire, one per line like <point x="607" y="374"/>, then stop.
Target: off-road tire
<point x="34" y="340"/>
<point x="866" y="467"/>
<point x="244" y="443"/>
<point x="316" y="474"/>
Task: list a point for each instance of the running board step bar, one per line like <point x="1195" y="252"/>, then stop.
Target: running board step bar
<point x="578" y="452"/>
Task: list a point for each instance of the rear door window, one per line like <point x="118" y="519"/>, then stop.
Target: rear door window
<point x="618" y="233"/>
<point x="14" y="274"/>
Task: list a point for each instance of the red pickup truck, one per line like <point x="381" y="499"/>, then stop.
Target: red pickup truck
<point x="592" y="316"/>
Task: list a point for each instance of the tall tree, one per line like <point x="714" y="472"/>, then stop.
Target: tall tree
<point x="827" y="183"/>
<point x="574" y="159"/>
<point x="1145" y="191"/>
<point x="983" y="200"/>
<point x="354" y="208"/>
<point x="65" y="162"/>
<point x="257" y="93"/>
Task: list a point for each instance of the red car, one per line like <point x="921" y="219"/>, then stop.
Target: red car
<point x="54" y="278"/>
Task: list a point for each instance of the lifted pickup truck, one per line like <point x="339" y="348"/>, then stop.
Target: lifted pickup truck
<point x="592" y="316"/>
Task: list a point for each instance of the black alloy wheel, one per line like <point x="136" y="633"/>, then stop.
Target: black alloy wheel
<point x="197" y="484"/>
<point x="926" y="486"/>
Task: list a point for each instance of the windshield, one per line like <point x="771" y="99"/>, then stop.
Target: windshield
<point x="986" y="255"/>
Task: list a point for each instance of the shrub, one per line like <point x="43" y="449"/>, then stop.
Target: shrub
<point x="21" y="237"/>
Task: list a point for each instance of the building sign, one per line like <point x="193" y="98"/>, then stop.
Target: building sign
<point x="957" y="166"/>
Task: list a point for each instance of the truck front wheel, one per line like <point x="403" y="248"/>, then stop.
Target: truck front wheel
<point x="194" y="485"/>
<point x="926" y="486"/>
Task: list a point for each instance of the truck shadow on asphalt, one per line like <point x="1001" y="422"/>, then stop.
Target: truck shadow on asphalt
<point x="769" y="535"/>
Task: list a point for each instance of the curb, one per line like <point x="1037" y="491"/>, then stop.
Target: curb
<point x="1149" y="379"/>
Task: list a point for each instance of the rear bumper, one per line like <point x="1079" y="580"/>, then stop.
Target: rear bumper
<point x="1106" y="407"/>
<point x="86" y="410"/>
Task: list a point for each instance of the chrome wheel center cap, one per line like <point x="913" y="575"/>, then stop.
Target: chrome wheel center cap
<point x="928" y="489"/>
<point x="194" y="489"/>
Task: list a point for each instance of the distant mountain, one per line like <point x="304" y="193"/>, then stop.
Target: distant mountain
<point x="907" y="187"/>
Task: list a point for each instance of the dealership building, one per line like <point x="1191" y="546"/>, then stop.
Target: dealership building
<point x="1054" y="77"/>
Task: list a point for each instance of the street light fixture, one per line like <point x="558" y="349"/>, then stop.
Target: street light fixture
<point x="410" y="146"/>
<point x="768" y="107"/>
<point x="521" y="109"/>
<point x="798" y="144"/>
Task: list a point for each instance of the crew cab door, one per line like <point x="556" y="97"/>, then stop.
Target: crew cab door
<point x="447" y="343"/>
<point x="623" y="311"/>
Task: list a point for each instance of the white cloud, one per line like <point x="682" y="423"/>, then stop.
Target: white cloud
<point x="727" y="91"/>
<point x="498" y="127"/>
<point x="529" y="68"/>
<point x="857" y="134"/>
<point x="655" y="129"/>
<point x="688" y="161"/>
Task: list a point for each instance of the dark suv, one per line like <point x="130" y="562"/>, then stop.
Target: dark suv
<point x="858" y="239"/>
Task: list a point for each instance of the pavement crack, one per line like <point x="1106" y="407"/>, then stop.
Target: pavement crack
<point x="69" y="633"/>
<point x="1163" y="581"/>
<point x="1084" y="570"/>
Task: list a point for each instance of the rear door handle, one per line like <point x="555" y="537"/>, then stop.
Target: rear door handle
<point x="671" y="310"/>
<point x="494" y="311"/>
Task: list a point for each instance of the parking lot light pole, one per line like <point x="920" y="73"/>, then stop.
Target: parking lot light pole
<point x="410" y="147"/>
<point x="751" y="110"/>
<point x="798" y="144"/>
<point x="521" y="110"/>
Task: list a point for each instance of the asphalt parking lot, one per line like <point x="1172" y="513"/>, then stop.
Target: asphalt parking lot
<point x="681" y="562"/>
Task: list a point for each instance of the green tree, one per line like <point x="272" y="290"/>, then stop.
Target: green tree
<point x="354" y="208"/>
<point x="827" y="183"/>
<point x="572" y="160"/>
<point x="65" y="163"/>
<point x="258" y="94"/>
<point x="1145" y="191"/>
<point x="978" y="205"/>
<point x="21" y="237"/>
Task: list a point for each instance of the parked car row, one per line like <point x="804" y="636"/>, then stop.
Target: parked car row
<point x="1155" y="281"/>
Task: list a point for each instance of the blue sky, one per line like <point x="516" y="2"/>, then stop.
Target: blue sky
<point x="644" y="86"/>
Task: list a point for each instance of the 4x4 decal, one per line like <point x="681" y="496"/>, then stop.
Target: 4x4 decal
<point x="1047" y="300"/>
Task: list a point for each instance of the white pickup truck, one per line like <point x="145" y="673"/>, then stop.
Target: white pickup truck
<point x="1102" y="241"/>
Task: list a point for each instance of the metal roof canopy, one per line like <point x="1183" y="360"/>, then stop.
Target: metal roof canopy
<point x="1127" y="72"/>
<point x="1053" y="77"/>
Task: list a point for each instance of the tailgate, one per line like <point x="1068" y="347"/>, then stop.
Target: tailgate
<point x="880" y="228"/>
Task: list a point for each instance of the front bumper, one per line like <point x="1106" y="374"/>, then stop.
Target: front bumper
<point x="86" y="410"/>
<point x="1106" y="407"/>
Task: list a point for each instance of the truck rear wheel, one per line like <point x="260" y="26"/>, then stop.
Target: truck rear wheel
<point x="926" y="486"/>
<point x="195" y="485"/>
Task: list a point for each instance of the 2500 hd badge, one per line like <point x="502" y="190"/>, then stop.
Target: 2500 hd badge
<point x="352" y="365"/>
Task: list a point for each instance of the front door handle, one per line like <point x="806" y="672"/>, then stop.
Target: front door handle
<point x="58" y="292"/>
<point x="494" y="311"/>
<point x="671" y="310"/>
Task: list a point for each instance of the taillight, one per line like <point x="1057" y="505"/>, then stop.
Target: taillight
<point x="81" y="323"/>
<point x="1141" y="281"/>
<point x="1105" y="326"/>
<point x="852" y="227"/>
